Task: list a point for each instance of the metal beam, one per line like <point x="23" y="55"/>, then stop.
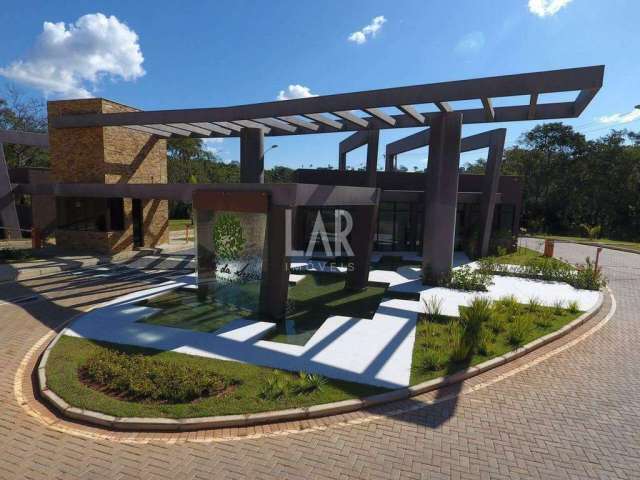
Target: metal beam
<point x="353" y="141"/>
<point x="318" y="117"/>
<point x="379" y="114"/>
<point x="489" y="113"/>
<point x="8" y="212"/>
<point x="584" y="97"/>
<point x="373" y="139"/>
<point x="149" y="130"/>
<point x="412" y="112"/>
<point x="301" y="123"/>
<point x="170" y="129"/>
<point x="586" y="79"/>
<point x="490" y="187"/>
<point x="351" y="118"/>
<point x="252" y="124"/>
<point x="275" y="123"/>
<point x="444" y="107"/>
<point x="533" y="102"/>
<point x="252" y="155"/>
<point x="228" y="125"/>
<point x="212" y="127"/>
<point x="30" y="139"/>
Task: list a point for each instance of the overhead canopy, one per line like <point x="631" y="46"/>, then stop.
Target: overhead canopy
<point x="363" y="110"/>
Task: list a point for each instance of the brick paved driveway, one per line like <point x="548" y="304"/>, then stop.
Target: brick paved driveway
<point x="573" y="415"/>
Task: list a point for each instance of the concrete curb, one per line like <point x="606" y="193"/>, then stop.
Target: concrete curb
<point x="294" y="414"/>
<point x="592" y="244"/>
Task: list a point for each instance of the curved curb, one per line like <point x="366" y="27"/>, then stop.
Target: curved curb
<point x="591" y="244"/>
<point x="294" y="414"/>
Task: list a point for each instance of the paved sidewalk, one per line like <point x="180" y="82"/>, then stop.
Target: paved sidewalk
<point x="573" y="415"/>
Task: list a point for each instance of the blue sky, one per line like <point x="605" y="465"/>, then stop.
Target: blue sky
<point x="206" y="53"/>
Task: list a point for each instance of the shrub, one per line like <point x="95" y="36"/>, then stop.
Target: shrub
<point x="519" y="330"/>
<point x="534" y="305"/>
<point x="477" y="313"/>
<point x="434" y="359"/>
<point x="495" y="324"/>
<point x="589" y="277"/>
<point x="460" y="345"/>
<point x="509" y="304"/>
<point x="591" y="231"/>
<point x="469" y="279"/>
<point x="307" y="383"/>
<point x="485" y="342"/>
<point x="432" y="307"/>
<point x="273" y="388"/>
<point x="544" y="318"/>
<point x="558" y="306"/>
<point x="573" y="307"/>
<point x="144" y="378"/>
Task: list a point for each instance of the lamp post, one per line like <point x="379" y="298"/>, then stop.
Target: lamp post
<point x="270" y="148"/>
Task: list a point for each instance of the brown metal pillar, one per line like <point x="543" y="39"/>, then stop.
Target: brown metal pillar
<point x="390" y="163"/>
<point x="342" y="161"/>
<point x="251" y="155"/>
<point x="361" y="241"/>
<point x="441" y="196"/>
<point x="275" y="267"/>
<point x="490" y="188"/>
<point x="372" y="157"/>
<point x="8" y="212"/>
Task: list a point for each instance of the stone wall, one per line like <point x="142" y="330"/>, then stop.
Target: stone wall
<point x="109" y="155"/>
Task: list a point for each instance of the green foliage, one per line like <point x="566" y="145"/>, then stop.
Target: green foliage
<point x="277" y="386"/>
<point x="519" y="330"/>
<point x="460" y="343"/>
<point x="432" y="307"/>
<point x="591" y="231"/>
<point x="485" y="342"/>
<point x="143" y="378"/>
<point x="508" y="304"/>
<point x="228" y="238"/>
<point x="475" y="315"/>
<point x="307" y="383"/>
<point x="573" y="306"/>
<point x="273" y="388"/>
<point x="589" y="277"/>
<point x="469" y="279"/>
<point x="558" y="306"/>
<point x="534" y="305"/>
<point x="434" y="359"/>
<point x="544" y="318"/>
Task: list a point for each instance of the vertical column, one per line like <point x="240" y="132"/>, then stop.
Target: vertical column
<point x="8" y="212"/>
<point x="275" y="267"/>
<point x="390" y="163"/>
<point x="490" y="188"/>
<point x="251" y="155"/>
<point x="342" y="161"/>
<point x="441" y="196"/>
<point x="373" y="138"/>
<point x="364" y="225"/>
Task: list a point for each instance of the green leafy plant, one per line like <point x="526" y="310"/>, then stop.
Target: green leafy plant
<point x="228" y="238"/>
<point x="307" y="383"/>
<point x="519" y="330"/>
<point x="432" y="307"/>
<point x="144" y="378"/>
<point x="273" y="388"/>
<point x="558" y="306"/>
<point x="434" y="359"/>
<point x="469" y="279"/>
<point x="508" y="304"/>
<point x="589" y="277"/>
<point x="534" y="305"/>
<point x="573" y="307"/>
<point x="475" y="315"/>
<point x="544" y="318"/>
<point x="485" y="342"/>
<point x="591" y="231"/>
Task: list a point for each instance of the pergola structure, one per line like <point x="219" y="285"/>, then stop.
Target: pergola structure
<point x="8" y="212"/>
<point x="367" y="112"/>
<point x="493" y="140"/>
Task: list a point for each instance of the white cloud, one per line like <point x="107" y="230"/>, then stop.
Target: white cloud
<point x="471" y="42"/>
<point x="621" y="117"/>
<point x="212" y="145"/>
<point x="295" y="91"/>
<point x="370" y="31"/>
<point x="547" y="8"/>
<point x="69" y="60"/>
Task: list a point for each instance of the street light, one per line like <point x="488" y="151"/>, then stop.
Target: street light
<point x="270" y="148"/>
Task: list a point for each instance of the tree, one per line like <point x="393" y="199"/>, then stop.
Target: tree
<point x="17" y="112"/>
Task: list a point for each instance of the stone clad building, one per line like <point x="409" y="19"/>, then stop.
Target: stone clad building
<point x="106" y="155"/>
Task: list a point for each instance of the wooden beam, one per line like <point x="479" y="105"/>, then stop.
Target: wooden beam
<point x="212" y="127"/>
<point x="353" y="141"/>
<point x="489" y="114"/>
<point x="408" y="143"/>
<point x="443" y="106"/>
<point x="533" y="103"/>
<point x="583" y="79"/>
<point x="252" y="124"/>
<point x="318" y="117"/>
<point x="279" y="124"/>
<point x="31" y="139"/>
<point x="152" y="131"/>
<point x="583" y="99"/>
<point x="231" y="126"/>
<point x="192" y="128"/>
<point x="380" y="115"/>
<point x="301" y="123"/>
<point x="351" y="118"/>
<point x="412" y="112"/>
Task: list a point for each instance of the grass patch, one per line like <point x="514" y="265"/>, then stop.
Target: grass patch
<point x="523" y="256"/>
<point x="601" y="241"/>
<point x="179" y="224"/>
<point x="445" y="345"/>
<point x="70" y="355"/>
<point x="393" y="262"/>
<point x="13" y="255"/>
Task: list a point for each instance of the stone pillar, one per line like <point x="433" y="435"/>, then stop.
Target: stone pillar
<point x="441" y="196"/>
<point x="251" y="155"/>
<point x="364" y="226"/>
<point x="274" y="287"/>
<point x="372" y="157"/>
<point x="490" y="188"/>
<point x="8" y="213"/>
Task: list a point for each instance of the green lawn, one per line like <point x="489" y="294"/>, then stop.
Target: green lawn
<point x="71" y="353"/>
<point x="435" y="335"/>
<point x="179" y="224"/>
<point x="393" y="262"/>
<point x="601" y="241"/>
<point x="521" y="256"/>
